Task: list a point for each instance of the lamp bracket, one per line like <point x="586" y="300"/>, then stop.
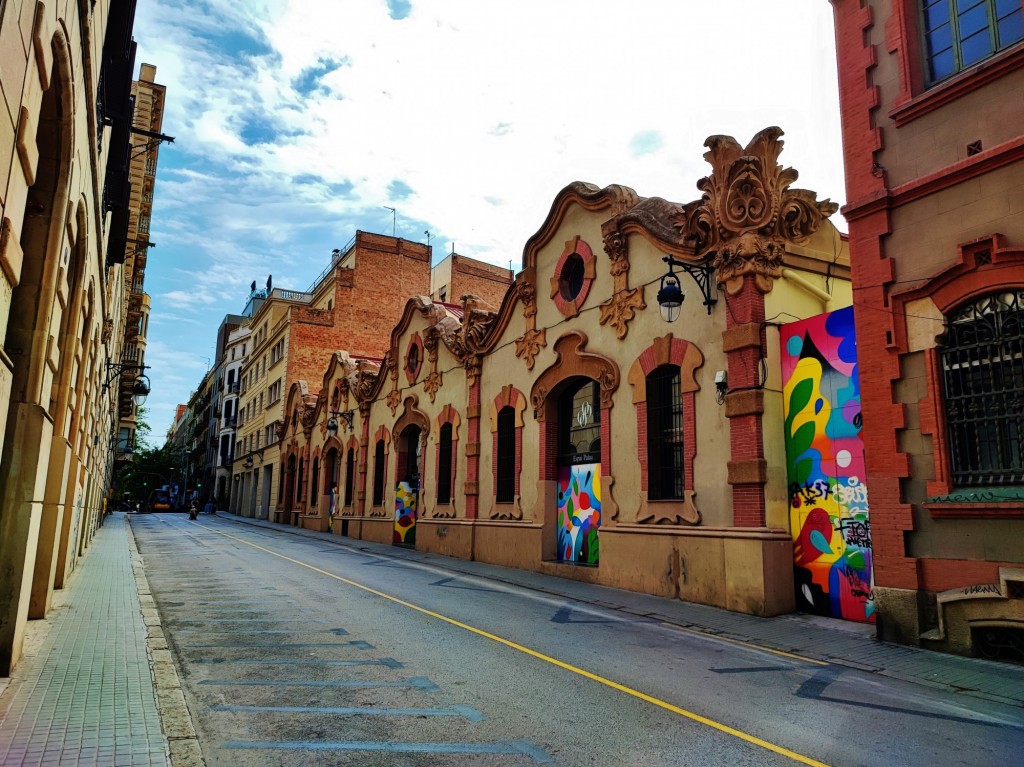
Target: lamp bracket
<point x="346" y="415"/>
<point x="701" y="274"/>
<point x="116" y="369"/>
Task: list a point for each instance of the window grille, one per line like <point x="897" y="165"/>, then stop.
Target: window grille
<point x="350" y="475"/>
<point x="982" y="361"/>
<point x="378" y="474"/>
<point x="444" y="465"/>
<point x="506" y="490"/>
<point x="664" y="434"/>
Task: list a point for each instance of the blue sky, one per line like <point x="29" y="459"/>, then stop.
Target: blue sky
<point x="297" y="122"/>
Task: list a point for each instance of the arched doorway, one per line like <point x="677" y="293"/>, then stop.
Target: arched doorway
<point x="408" y="471"/>
<point x="289" y="486"/>
<point x="578" y="489"/>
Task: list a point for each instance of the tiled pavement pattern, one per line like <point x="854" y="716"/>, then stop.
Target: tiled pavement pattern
<point x="840" y="642"/>
<point x="84" y="696"/>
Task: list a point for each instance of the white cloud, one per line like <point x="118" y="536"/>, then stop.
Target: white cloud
<point x="293" y="119"/>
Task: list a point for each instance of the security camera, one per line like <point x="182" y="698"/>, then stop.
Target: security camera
<point x="721" y="378"/>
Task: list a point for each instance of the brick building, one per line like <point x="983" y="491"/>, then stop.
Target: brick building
<point x="352" y="305"/>
<point x="933" y="133"/>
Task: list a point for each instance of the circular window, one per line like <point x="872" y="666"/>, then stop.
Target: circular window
<point x="570" y="281"/>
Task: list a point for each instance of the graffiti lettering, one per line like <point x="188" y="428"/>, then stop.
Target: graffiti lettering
<point x="855" y="532"/>
<point x="982" y="588"/>
<point x="853" y="495"/>
<point x="809" y="492"/>
<point x="858" y="588"/>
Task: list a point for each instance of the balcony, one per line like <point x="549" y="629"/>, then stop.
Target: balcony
<point x="233" y="387"/>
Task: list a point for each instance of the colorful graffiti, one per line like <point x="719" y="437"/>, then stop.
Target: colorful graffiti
<point x="828" y="502"/>
<point x="579" y="513"/>
<point x="405" y="515"/>
<point x="332" y="509"/>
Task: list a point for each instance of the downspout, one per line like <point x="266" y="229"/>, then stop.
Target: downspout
<point x="808" y="287"/>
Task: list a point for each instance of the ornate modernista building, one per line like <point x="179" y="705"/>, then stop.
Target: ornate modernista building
<point x="570" y="429"/>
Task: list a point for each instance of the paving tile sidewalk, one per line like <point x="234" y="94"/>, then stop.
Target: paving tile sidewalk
<point x="839" y="642"/>
<point x="83" y="694"/>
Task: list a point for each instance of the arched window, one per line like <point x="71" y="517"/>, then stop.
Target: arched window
<point x="506" y="456"/>
<point x="664" y="434"/>
<point x="350" y="475"/>
<point x="982" y="360"/>
<point x="300" y="482"/>
<point x="444" y="465"/>
<point x="378" y="474"/>
<point x="316" y="481"/>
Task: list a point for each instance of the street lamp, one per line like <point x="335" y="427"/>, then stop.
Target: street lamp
<point x="345" y="415"/>
<point x="670" y="293"/>
<point x="140" y="386"/>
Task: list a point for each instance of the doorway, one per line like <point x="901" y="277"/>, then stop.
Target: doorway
<point x="578" y="490"/>
<point x="407" y="488"/>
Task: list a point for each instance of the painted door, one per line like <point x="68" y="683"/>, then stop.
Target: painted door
<point x="579" y="513"/>
<point x="828" y="500"/>
<point x="405" y="514"/>
<point x="578" y="500"/>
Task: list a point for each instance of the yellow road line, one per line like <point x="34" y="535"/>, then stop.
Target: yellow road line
<point x="741" y="643"/>
<point x="548" y="659"/>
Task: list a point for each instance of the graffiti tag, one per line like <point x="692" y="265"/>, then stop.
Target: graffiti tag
<point x="981" y="588"/>
<point x="809" y="492"/>
<point x="855" y="532"/>
<point x="858" y="587"/>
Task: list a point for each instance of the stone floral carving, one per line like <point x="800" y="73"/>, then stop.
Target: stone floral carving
<point x="615" y="247"/>
<point x="748" y="212"/>
<point x="528" y="345"/>
<point x="528" y="296"/>
<point x="621" y="308"/>
<point x="394" y="400"/>
<point x="432" y="383"/>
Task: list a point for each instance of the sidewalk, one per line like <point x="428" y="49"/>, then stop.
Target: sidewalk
<point x="83" y="693"/>
<point x="842" y="643"/>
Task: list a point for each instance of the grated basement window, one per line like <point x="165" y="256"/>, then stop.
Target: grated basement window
<point x="998" y="643"/>
<point x="982" y="361"/>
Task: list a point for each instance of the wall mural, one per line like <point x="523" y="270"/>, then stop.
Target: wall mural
<point x="828" y="503"/>
<point x="405" y="515"/>
<point x="579" y="513"/>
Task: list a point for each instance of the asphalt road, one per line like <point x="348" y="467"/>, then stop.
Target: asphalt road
<point x="295" y="651"/>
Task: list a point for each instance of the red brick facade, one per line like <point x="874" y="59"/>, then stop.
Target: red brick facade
<point x="927" y="189"/>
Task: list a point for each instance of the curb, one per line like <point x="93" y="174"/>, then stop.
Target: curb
<point x="183" y="748"/>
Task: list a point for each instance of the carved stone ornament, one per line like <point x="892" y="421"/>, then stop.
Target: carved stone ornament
<point x="621" y="308"/>
<point x="511" y="511"/>
<point x="528" y="345"/>
<point x="108" y="329"/>
<point x="528" y="295"/>
<point x="432" y="383"/>
<point x="394" y="400"/>
<point x="615" y="247"/>
<point x="748" y="212"/>
<point x="472" y="364"/>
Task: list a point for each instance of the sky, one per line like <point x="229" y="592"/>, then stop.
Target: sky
<point x="298" y="122"/>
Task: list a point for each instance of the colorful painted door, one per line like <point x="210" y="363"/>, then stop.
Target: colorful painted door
<point x="405" y="514"/>
<point x="578" y="501"/>
<point x="579" y="513"/>
<point x="828" y="501"/>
